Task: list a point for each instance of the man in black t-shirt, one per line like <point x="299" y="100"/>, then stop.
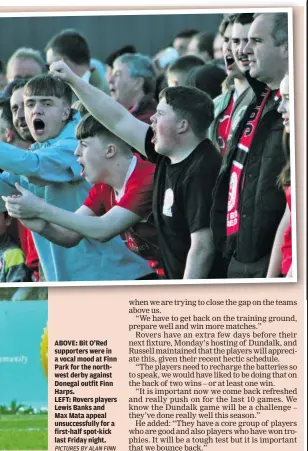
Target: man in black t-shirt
<point x="186" y="171"/>
<point x="187" y="166"/>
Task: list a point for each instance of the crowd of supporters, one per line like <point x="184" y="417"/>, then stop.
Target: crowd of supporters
<point x="172" y="166"/>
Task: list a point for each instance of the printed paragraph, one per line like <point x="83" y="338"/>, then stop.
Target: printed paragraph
<point x="81" y="418"/>
<point x="203" y="379"/>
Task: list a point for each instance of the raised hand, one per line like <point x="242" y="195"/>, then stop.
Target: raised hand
<point x="61" y="70"/>
<point x="23" y="206"/>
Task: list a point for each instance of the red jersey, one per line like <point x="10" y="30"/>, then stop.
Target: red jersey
<point x="29" y="249"/>
<point x="136" y="196"/>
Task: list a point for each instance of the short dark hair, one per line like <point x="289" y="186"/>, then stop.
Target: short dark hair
<point x="208" y="78"/>
<point x="189" y="33"/>
<point x="6" y="115"/>
<point x="279" y="31"/>
<point x="114" y="55"/>
<point x="205" y="42"/>
<point x="79" y="106"/>
<point x="244" y="18"/>
<point x="192" y="104"/>
<point x="185" y="63"/>
<point x="227" y="20"/>
<point x="88" y="127"/>
<point x="48" y="85"/>
<point x="71" y="44"/>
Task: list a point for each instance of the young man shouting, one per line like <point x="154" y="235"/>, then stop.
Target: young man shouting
<point x="121" y="197"/>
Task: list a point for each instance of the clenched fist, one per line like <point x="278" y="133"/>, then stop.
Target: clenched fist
<point x="61" y="70"/>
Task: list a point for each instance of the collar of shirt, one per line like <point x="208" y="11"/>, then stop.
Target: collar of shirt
<point x="119" y="193"/>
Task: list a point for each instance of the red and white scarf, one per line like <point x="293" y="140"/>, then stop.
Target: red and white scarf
<point x="243" y="147"/>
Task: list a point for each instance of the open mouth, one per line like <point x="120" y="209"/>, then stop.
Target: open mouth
<point x="229" y="61"/>
<point x="82" y="172"/>
<point x="39" y="126"/>
<point x="22" y="124"/>
<point x="154" y="136"/>
<point x="244" y="60"/>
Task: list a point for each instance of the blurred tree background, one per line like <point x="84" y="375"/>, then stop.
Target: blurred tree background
<point x="26" y="293"/>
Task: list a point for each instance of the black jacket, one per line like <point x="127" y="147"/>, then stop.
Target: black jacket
<point x="262" y="202"/>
